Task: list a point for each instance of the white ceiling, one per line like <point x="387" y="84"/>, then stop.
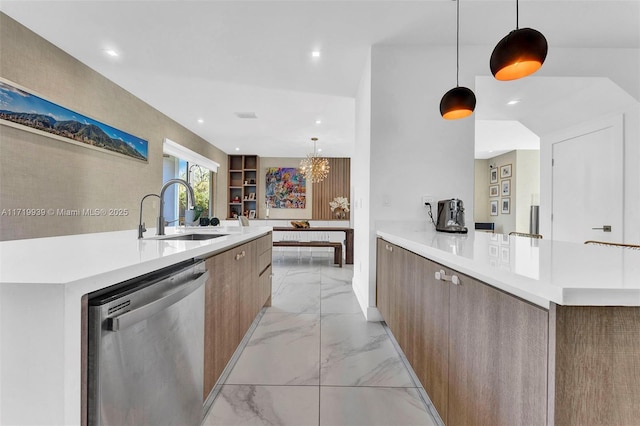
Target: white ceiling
<point x="211" y="59"/>
<point x="545" y="104"/>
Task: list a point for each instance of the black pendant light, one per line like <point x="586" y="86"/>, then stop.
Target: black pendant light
<point x="519" y="54"/>
<point x="458" y="102"/>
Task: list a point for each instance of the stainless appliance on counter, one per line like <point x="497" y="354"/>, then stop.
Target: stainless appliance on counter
<point x="146" y="349"/>
<point x="451" y="216"/>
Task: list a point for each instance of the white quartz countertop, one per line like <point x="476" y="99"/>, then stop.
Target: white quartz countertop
<point x="109" y="257"/>
<point x="540" y="271"/>
<point x="42" y="282"/>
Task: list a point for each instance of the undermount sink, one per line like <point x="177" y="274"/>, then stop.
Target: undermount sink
<point x="193" y="237"/>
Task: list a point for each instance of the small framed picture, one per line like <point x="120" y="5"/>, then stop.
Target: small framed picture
<point x="504" y="254"/>
<point x="506" y="205"/>
<point x="252" y="214"/>
<point x="494" y="191"/>
<point x="493" y="205"/>
<point x="252" y="195"/>
<point x="505" y="171"/>
<point x="493" y="251"/>
<point x="493" y="175"/>
<point x="506" y="187"/>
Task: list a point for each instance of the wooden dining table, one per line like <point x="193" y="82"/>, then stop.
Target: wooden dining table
<point x="348" y="241"/>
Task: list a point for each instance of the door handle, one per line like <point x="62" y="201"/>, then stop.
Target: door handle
<point x="605" y="228"/>
<point x="442" y="276"/>
<point x="132" y="317"/>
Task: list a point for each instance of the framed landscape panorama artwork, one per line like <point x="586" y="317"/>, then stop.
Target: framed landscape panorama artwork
<point x="22" y="109"/>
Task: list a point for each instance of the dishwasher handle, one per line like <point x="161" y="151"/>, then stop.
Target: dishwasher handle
<point x="139" y="314"/>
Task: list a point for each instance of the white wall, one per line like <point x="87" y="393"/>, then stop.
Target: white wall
<point x="414" y="152"/>
<point x="363" y="249"/>
<point x="631" y="180"/>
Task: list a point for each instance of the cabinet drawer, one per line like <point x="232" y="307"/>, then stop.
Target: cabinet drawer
<point x="264" y="243"/>
<point x="264" y="260"/>
<point x="265" y="287"/>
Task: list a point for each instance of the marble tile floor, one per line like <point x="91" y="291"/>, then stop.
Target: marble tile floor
<point x="314" y="360"/>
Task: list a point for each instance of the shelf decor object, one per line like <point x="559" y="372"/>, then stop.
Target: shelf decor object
<point x="505" y="171"/>
<point x="506" y="206"/>
<point x="242" y="189"/>
<point x="339" y="207"/>
<point x="493" y="205"/>
<point x="493" y="175"/>
<point x="458" y="102"/>
<point x="519" y="54"/>
<point x="314" y="167"/>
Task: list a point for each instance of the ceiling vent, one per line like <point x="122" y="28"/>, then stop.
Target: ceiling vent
<point x="246" y="115"/>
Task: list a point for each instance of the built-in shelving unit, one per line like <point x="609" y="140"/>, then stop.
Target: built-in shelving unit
<point x="243" y="185"/>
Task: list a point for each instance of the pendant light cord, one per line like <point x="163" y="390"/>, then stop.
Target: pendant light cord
<point x="517" y="14"/>
<point x="457" y="43"/>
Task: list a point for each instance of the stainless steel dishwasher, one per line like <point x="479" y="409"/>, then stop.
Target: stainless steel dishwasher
<point x="146" y="349"/>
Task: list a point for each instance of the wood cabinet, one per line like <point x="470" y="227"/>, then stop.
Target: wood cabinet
<point x="480" y="354"/>
<point x="234" y="294"/>
<point x="416" y="309"/>
<point x="487" y="357"/>
<point x="596" y="352"/>
<point x="497" y="357"/>
<point x="243" y="184"/>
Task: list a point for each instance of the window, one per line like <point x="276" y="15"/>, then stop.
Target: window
<point x="198" y="171"/>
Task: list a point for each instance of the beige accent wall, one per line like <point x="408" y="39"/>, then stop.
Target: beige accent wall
<point x="481" y="213"/>
<point x="525" y="185"/>
<point x="528" y="186"/>
<point x="40" y="172"/>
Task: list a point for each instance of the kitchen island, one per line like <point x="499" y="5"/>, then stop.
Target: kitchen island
<point x="512" y="330"/>
<point x="42" y="283"/>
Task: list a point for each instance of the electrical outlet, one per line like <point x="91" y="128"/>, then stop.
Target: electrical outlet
<point x="427" y="199"/>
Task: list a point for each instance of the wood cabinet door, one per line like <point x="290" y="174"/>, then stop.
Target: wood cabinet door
<point x="384" y="273"/>
<point x="497" y="357"/>
<point x="265" y="286"/>
<point x="430" y="354"/>
<point x="221" y="326"/>
<point x="404" y="305"/>
<point x="246" y="262"/>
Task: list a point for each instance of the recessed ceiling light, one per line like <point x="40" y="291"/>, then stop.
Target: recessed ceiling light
<point x="237" y="149"/>
<point x="315" y="54"/>
<point x="200" y="120"/>
<point x="318" y="121"/>
<point x="513" y="102"/>
<point x="319" y="149"/>
<point x="111" y="52"/>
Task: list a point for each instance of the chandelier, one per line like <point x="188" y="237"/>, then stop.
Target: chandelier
<point x="314" y="167"/>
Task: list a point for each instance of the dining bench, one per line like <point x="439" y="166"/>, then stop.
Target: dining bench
<point x="337" y="247"/>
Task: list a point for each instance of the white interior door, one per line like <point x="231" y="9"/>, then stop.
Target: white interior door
<point x="587" y="185"/>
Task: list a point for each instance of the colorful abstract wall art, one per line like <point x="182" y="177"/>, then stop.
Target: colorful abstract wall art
<point x="285" y="188"/>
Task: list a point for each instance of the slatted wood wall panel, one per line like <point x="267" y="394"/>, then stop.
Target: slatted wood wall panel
<point x="337" y="184"/>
